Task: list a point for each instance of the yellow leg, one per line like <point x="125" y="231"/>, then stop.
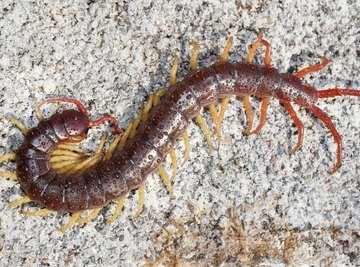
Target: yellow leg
<point x="174" y="164"/>
<point x="91" y="216"/>
<point x="118" y="209"/>
<point x="141" y="192"/>
<point x="125" y="136"/>
<point x="254" y="47"/>
<point x="42" y="212"/>
<point x="84" y="165"/>
<point x="61" y="166"/>
<point x="158" y="95"/>
<point x="8" y="156"/>
<point x="224" y="104"/>
<point x="206" y="131"/>
<point x="194" y="56"/>
<point x="95" y="160"/>
<point x="74" y="217"/>
<point x="110" y="151"/>
<point x="60" y="159"/>
<point x="185" y="136"/>
<point x="9" y="175"/>
<point x="215" y="117"/>
<point x="145" y="111"/>
<point x="18" y="202"/>
<point x="166" y="180"/>
<point x="72" y="147"/>
<point x="62" y="152"/>
<point x="135" y="124"/>
<point x="19" y="124"/>
<point x="38" y="114"/>
<point x="225" y="55"/>
<point x="249" y="114"/>
<point x="174" y="70"/>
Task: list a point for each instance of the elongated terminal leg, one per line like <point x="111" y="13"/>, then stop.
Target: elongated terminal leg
<point x="327" y="121"/>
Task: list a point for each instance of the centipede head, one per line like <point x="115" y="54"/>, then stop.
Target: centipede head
<point x="76" y="124"/>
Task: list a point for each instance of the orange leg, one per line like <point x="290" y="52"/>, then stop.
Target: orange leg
<point x="265" y="100"/>
<point x="337" y="92"/>
<point x="327" y="121"/>
<point x="298" y="124"/>
<point x="317" y="67"/>
<point x="263" y="110"/>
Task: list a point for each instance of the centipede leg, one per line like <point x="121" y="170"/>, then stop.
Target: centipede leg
<point x="327" y="121"/>
<point x="206" y="131"/>
<point x="38" y="114"/>
<point x="19" y="202"/>
<point x="91" y="216"/>
<point x="265" y="100"/>
<point x="185" y="137"/>
<point x="111" y="149"/>
<point x="71" y="147"/>
<point x="42" y="212"/>
<point x="141" y="192"/>
<point x="74" y="217"/>
<point x="220" y="116"/>
<point x="174" y="70"/>
<point x="118" y="209"/>
<point x="7" y="156"/>
<point x="125" y="136"/>
<point x="324" y="61"/>
<point x="298" y="124"/>
<point x="158" y="95"/>
<point x="337" y="92"/>
<point x="166" y="180"/>
<point x="90" y="161"/>
<point x="215" y="118"/>
<point x="194" y="56"/>
<point x="249" y="114"/>
<point x="19" y="124"/>
<point x="225" y="55"/>
<point x="10" y="175"/>
<point x="264" y="107"/>
<point x="173" y="163"/>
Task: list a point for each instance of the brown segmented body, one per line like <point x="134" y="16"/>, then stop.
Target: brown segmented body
<point x="143" y="153"/>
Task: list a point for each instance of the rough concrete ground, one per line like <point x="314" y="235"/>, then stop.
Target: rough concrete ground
<point x="249" y="202"/>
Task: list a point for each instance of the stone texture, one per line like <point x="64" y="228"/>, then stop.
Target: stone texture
<point x="247" y="203"/>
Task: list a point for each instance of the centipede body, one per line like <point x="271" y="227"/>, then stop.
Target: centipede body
<point x="143" y="153"/>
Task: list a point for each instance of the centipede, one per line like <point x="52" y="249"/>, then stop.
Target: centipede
<point x="58" y="176"/>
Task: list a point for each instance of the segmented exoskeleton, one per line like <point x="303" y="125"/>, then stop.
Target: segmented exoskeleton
<point x="149" y="138"/>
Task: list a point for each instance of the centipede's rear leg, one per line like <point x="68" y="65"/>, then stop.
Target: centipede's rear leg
<point x="265" y="100"/>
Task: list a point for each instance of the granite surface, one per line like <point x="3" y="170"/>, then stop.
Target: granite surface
<point x="249" y="202"/>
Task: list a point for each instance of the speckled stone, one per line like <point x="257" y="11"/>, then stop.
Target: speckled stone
<point x="249" y="202"/>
